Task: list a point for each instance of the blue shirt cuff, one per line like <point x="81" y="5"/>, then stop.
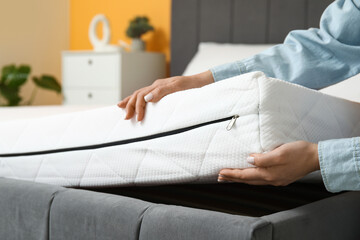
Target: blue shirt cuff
<point x="228" y="70"/>
<point x="339" y="164"/>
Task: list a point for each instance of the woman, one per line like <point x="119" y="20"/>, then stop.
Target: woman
<point x="314" y="58"/>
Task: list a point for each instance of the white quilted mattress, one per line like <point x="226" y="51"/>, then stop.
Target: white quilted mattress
<point x="186" y="137"/>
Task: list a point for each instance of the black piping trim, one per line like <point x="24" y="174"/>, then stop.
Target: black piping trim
<point x="116" y="143"/>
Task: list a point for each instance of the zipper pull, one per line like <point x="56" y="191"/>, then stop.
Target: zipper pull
<point x="232" y="122"/>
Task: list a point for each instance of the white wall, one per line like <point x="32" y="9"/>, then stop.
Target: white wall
<point x="35" y="32"/>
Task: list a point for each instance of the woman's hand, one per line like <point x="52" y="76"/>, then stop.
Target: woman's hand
<point x="280" y="167"/>
<point x="136" y="103"/>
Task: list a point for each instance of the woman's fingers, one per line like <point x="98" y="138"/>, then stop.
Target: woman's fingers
<point x="136" y="103"/>
<point x="250" y="176"/>
<point x="123" y="103"/>
<point x="243" y="175"/>
<point x="140" y="108"/>
<point x="141" y="102"/>
<point x="130" y="107"/>
<point x="254" y="182"/>
<point x="268" y="159"/>
<point x="159" y="92"/>
<point x="280" y="167"/>
<point x="148" y="97"/>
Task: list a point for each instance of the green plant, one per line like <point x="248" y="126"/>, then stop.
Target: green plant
<point x="12" y="78"/>
<point x="138" y="26"/>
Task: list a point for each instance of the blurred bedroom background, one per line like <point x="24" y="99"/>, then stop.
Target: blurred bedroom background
<point x="52" y="37"/>
<point x="37" y="32"/>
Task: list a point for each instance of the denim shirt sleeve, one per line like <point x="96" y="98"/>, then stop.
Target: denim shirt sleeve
<point x="339" y="164"/>
<point x="314" y="58"/>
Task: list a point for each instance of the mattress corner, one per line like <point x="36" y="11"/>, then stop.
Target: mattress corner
<point x="261" y="78"/>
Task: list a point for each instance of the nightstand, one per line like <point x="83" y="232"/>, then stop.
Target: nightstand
<point x="106" y="77"/>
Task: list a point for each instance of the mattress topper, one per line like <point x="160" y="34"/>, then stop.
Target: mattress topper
<point x="187" y="137"/>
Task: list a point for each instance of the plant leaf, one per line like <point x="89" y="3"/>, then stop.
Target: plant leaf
<point x="14" y="77"/>
<point x="10" y="94"/>
<point x="5" y="71"/>
<point x="138" y="26"/>
<point x="20" y="76"/>
<point x="47" y="82"/>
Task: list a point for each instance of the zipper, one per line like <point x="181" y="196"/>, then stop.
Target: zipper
<point x="232" y="122"/>
<point x="126" y="141"/>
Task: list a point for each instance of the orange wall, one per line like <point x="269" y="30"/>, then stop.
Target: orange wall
<point x="119" y="13"/>
<point x="35" y="32"/>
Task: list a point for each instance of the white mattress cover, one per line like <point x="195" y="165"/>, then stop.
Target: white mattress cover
<point x="27" y="112"/>
<point x="272" y="112"/>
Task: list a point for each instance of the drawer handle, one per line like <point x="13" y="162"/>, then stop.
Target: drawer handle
<point x="90" y="95"/>
<point x="90" y="61"/>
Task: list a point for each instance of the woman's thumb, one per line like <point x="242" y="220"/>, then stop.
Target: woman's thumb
<point x="262" y="159"/>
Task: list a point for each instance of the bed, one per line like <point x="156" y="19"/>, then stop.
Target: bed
<point x="302" y="210"/>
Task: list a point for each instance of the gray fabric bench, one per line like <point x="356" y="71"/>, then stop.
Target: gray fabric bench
<point x="40" y="211"/>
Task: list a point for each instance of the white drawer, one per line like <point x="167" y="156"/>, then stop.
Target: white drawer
<point x="90" y="96"/>
<point x="90" y="70"/>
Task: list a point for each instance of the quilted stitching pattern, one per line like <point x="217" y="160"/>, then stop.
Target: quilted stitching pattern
<point x="290" y="112"/>
<point x="271" y="112"/>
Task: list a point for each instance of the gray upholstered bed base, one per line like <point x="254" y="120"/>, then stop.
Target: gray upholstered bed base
<point x="39" y="211"/>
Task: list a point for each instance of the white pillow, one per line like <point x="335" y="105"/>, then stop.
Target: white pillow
<point x="213" y="54"/>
